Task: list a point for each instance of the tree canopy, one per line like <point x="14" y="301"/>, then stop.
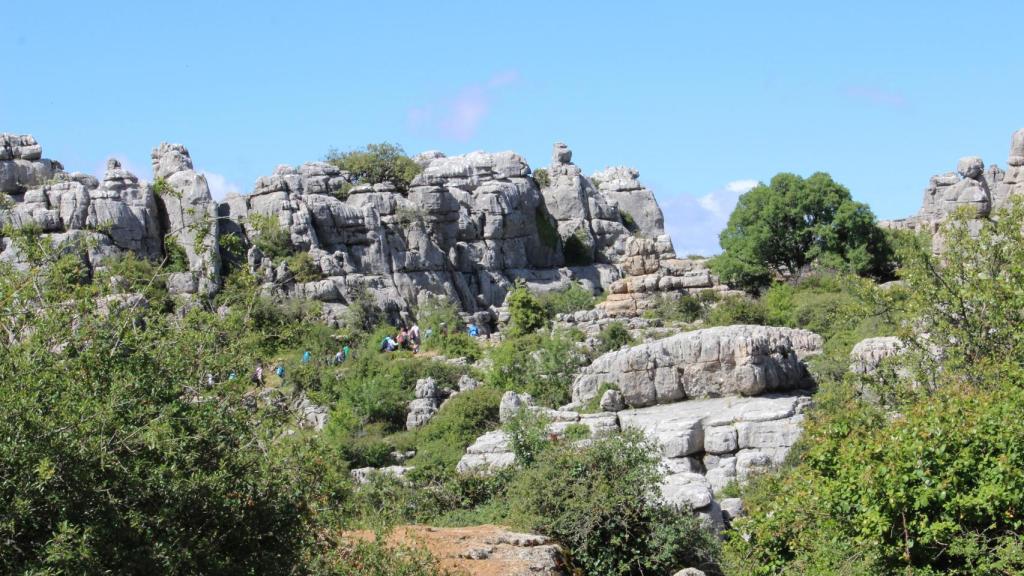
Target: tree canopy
<point x="376" y="164"/>
<point x="780" y="229"/>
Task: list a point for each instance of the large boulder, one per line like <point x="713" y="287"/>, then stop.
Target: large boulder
<point x="720" y="361"/>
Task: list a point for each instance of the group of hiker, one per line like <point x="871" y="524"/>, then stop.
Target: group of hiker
<point x="403" y="340"/>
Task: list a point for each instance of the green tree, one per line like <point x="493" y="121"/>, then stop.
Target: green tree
<point x="926" y="479"/>
<point x="779" y="229"/>
<point x="526" y="313"/>
<point x="377" y="164"/>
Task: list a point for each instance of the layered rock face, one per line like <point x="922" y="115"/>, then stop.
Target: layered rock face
<point x="979" y="188"/>
<point x="720" y="361"/>
<point x="466" y="229"/>
<point x="704" y="444"/>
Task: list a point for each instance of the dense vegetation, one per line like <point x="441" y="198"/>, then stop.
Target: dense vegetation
<point x="916" y="470"/>
<point x="780" y="229"/>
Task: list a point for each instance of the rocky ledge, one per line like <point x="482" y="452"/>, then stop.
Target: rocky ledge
<point x="703" y="444"/>
<point x="721" y="361"/>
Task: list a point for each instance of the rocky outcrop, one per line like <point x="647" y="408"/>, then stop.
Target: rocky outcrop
<point x="720" y="361"/>
<point x="466" y="228"/>
<point x="703" y="444"/>
<point x="650" y="272"/>
<point x="429" y="398"/>
<point x="974" y="186"/>
<point x="868" y="354"/>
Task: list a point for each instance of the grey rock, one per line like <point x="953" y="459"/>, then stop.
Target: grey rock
<point x="728" y="360"/>
<point x="611" y="401"/>
<point x="868" y="354"/>
<point x="511" y="403"/>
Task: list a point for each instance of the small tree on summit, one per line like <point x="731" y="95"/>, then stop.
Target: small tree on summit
<point x="779" y="229"/>
<point x="376" y="164"/>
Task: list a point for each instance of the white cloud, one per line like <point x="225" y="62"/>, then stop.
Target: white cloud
<point x="220" y="186"/>
<point x="740" y="186"/>
<point x="694" y="222"/>
<point x="459" y="117"/>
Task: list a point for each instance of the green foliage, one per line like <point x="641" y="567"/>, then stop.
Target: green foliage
<point x="303" y="268"/>
<point x="442" y="441"/>
<point x="116" y="459"/>
<point x="577" y="249"/>
<point x="780" y="229"/>
<point x="526" y="313"/>
<point x="363" y="314"/>
<point x="542" y="364"/>
<point x="542" y="177"/>
<point x="935" y="488"/>
<point x="162" y="188"/>
<point x="527" y="435"/>
<point x="271" y="238"/>
<point x="448" y="335"/>
<point x="571" y="299"/>
<point x="373" y="558"/>
<point x="601" y="502"/>
<point x="737" y="310"/>
<point x="175" y="258"/>
<point x="377" y="164"/>
<point x="545" y="229"/>
<point x="613" y="336"/>
<point x="683" y="308"/>
<point x="628" y="221"/>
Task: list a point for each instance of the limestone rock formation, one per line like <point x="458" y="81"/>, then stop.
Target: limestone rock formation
<point x="704" y="444"/>
<point x="979" y="188"/>
<point x="720" y="361"/>
<point x="429" y="398"/>
<point x="868" y="354"/>
<point x="466" y="229"/>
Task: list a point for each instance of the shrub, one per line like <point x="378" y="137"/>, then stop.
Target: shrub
<point x="527" y="435"/>
<point x="737" y="310"/>
<point x="107" y="466"/>
<point x="542" y="364"/>
<point x="577" y="249"/>
<point x="377" y="164"/>
<point x="571" y="299"/>
<point x="175" y="258"/>
<point x="441" y="442"/>
<point x="541" y="176"/>
<point x="613" y="336"/>
<point x="271" y="238"/>
<point x="628" y="221"/>
<point x="303" y="268"/>
<point x="545" y="229"/>
<point x="526" y="313"/>
<point x="601" y="502"/>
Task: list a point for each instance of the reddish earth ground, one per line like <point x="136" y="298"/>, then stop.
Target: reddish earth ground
<point x="485" y="550"/>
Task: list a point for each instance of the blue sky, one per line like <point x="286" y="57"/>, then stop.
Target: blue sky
<point x="702" y="98"/>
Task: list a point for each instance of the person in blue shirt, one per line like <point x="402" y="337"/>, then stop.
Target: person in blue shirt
<point x="306" y="356"/>
<point x="473" y="330"/>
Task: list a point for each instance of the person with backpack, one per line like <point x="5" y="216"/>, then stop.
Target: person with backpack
<point x="306" y="357"/>
<point x="279" y="370"/>
<point x="257" y="376"/>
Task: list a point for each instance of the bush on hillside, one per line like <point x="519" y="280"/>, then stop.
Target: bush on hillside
<point x="601" y="502"/>
<point x="930" y="484"/>
<point x="526" y="313"/>
<point x="613" y="336"/>
<point x="118" y="458"/>
<point x="542" y="364"/>
<point x="573" y="298"/>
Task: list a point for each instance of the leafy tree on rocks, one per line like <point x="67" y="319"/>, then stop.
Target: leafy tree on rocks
<point x="780" y="229"/>
<point x="377" y="164"/>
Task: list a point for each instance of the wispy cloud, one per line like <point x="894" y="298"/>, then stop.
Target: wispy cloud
<point x="220" y="186"/>
<point x="460" y="116"/>
<point x="875" y="96"/>
<point x="694" y="222"/>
